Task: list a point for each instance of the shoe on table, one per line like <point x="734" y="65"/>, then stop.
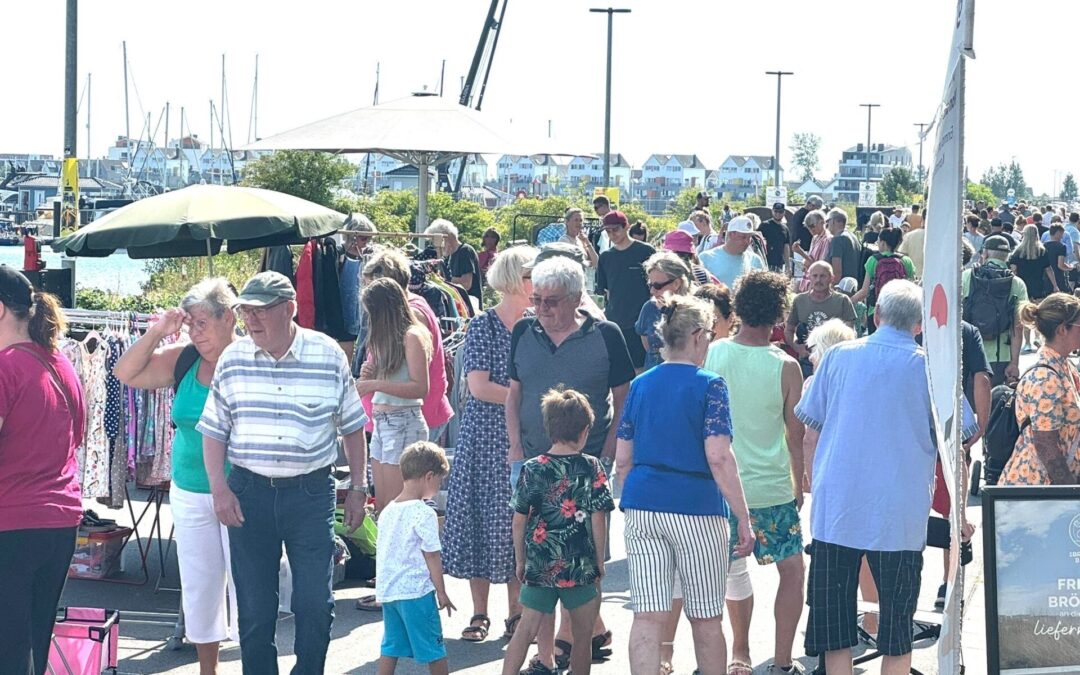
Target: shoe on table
<point x="939" y="603"/>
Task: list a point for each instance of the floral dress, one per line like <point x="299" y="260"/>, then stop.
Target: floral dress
<point x="478" y="537"/>
<point x="1048" y="397"/>
<point x="559" y="494"/>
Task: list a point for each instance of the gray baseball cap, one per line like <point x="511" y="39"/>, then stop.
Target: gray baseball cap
<point x="266" y="288"/>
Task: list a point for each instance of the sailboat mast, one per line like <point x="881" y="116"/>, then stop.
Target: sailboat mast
<point x="127" y="109"/>
<point x="88" y="155"/>
<point x="255" y="101"/>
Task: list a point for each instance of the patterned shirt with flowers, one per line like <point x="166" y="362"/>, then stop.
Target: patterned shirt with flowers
<point x="559" y="494"/>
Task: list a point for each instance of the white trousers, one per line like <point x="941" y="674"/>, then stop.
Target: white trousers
<point x="202" y="549"/>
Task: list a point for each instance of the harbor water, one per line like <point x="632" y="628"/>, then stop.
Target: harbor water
<point x="116" y="273"/>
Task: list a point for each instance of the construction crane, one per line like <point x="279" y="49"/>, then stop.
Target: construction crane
<point x="482" y="59"/>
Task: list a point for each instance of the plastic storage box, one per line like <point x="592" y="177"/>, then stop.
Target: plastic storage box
<point x="97" y="554"/>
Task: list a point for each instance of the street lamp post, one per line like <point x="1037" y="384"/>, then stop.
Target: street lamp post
<point x="869" y="112"/>
<point x="611" y="12"/>
<point x="921" y="125"/>
<point x="776" y="158"/>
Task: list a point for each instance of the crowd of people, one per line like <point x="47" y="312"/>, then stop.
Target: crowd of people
<point x="719" y="380"/>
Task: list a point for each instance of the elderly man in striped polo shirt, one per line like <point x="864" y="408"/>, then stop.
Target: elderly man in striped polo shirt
<point x="278" y="402"/>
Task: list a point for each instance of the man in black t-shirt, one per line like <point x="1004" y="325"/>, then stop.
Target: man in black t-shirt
<point x="620" y="275"/>
<point x="460" y="260"/>
<point x="777" y="243"/>
<point x="798" y="232"/>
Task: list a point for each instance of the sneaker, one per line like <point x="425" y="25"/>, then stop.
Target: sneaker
<point x="537" y="668"/>
<point x="939" y="603"/>
<point x="1028" y="349"/>
<point x="795" y="668"/>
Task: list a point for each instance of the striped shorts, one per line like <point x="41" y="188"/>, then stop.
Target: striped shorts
<point x="658" y="544"/>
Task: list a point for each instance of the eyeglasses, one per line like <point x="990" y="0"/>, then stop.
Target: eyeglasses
<point x="244" y="311"/>
<point x="198" y="326"/>
<point x="549" y="303"/>
<point x="660" y="285"/>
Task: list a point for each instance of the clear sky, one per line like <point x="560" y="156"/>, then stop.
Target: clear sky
<point x="688" y="76"/>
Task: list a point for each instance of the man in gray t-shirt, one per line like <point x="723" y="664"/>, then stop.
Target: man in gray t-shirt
<point x="845" y="252"/>
<point x="814" y="307"/>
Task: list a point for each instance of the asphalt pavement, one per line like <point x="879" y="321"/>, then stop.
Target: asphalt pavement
<point x="147" y="647"/>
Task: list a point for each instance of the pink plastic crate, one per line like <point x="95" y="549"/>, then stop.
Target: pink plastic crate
<point x="84" y="641"/>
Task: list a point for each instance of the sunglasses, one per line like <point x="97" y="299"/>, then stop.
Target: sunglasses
<point x="549" y="303"/>
<point x="658" y="285"/>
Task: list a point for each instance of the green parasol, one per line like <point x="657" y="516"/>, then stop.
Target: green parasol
<point x="198" y="219"/>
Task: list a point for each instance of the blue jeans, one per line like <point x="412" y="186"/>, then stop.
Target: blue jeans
<point x="298" y="512"/>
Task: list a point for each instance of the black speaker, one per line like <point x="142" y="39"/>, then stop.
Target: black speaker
<point x="55" y="281"/>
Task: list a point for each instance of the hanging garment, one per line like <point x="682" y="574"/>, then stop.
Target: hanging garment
<point x="96" y="471"/>
<point x="329" y="318"/>
<point x="305" y="288"/>
<point x="278" y="259"/>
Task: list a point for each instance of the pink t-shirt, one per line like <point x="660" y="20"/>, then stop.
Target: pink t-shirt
<point x="38" y="486"/>
<point x="436" y="407"/>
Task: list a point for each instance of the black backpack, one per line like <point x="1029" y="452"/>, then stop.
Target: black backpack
<point x="188" y="356"/>
<point x="990" y="304"/>
<point x="865" y="253"/>
<point x="1002" y="429"/>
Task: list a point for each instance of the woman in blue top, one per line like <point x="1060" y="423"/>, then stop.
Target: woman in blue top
<point x="674" y="442"/>
<point x="667" y="275"/>
<point x="202" y="543"/>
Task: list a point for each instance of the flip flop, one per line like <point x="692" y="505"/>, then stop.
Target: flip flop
<point x="368" y="604"/>
<point x="479" y="633"/>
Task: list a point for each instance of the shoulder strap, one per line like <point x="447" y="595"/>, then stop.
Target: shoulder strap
<point x="52" y="373"/>
<point x="1027" y="420"/>
<point x="187" y="358"/>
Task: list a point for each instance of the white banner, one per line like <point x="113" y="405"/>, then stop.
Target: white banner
<point x="942" y="306"/>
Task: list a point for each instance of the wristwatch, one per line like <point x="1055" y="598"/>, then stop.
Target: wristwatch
<point x="359" y="488"/>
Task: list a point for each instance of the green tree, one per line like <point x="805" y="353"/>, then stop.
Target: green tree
<point x="977" y="192"/>
<point x="309" y="175"/>
<point x="899" y="186"/>
<point x="1069" y="191"/>
<point x="1003" y="177"/>
<point x="804" y="149"/>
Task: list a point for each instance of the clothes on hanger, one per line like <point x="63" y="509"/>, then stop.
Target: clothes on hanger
<point x="305" y="287"/>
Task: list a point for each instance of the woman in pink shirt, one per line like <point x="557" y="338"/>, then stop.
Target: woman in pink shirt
<point x="42" y="419"/>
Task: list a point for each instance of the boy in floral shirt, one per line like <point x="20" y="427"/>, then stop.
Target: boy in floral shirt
<point x="560" y="531"/>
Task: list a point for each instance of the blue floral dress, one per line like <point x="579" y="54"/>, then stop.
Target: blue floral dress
<point x="478" y="537"/>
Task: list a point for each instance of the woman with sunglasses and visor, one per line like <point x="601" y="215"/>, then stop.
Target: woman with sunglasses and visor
<point x="667" y="275"/>
<point x="202" y="542"/>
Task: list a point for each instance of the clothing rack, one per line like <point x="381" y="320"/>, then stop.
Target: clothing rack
<point x="107" y="319"/>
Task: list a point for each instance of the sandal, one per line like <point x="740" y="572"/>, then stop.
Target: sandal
<point x="477" y="633"/>
<point x="601" y="647"/>
<point x="737" y="667"/>
<point x="511" y="626"/>
<point x="368" y="604"/>
<point x="562" y="654"/>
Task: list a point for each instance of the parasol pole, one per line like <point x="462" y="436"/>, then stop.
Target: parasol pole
<point x="210" y="256"/>
<point x="422" y="184"/>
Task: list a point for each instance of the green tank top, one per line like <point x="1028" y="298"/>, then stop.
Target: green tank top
<point x="188" y="470"/>
<point x="752" y="375"/>
<point x="402" y="375"/>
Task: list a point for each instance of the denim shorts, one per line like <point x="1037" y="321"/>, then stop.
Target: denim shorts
<point x="394" y="431"/>
<point x="777" y="532"/>
<point x="412" y="629"/>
